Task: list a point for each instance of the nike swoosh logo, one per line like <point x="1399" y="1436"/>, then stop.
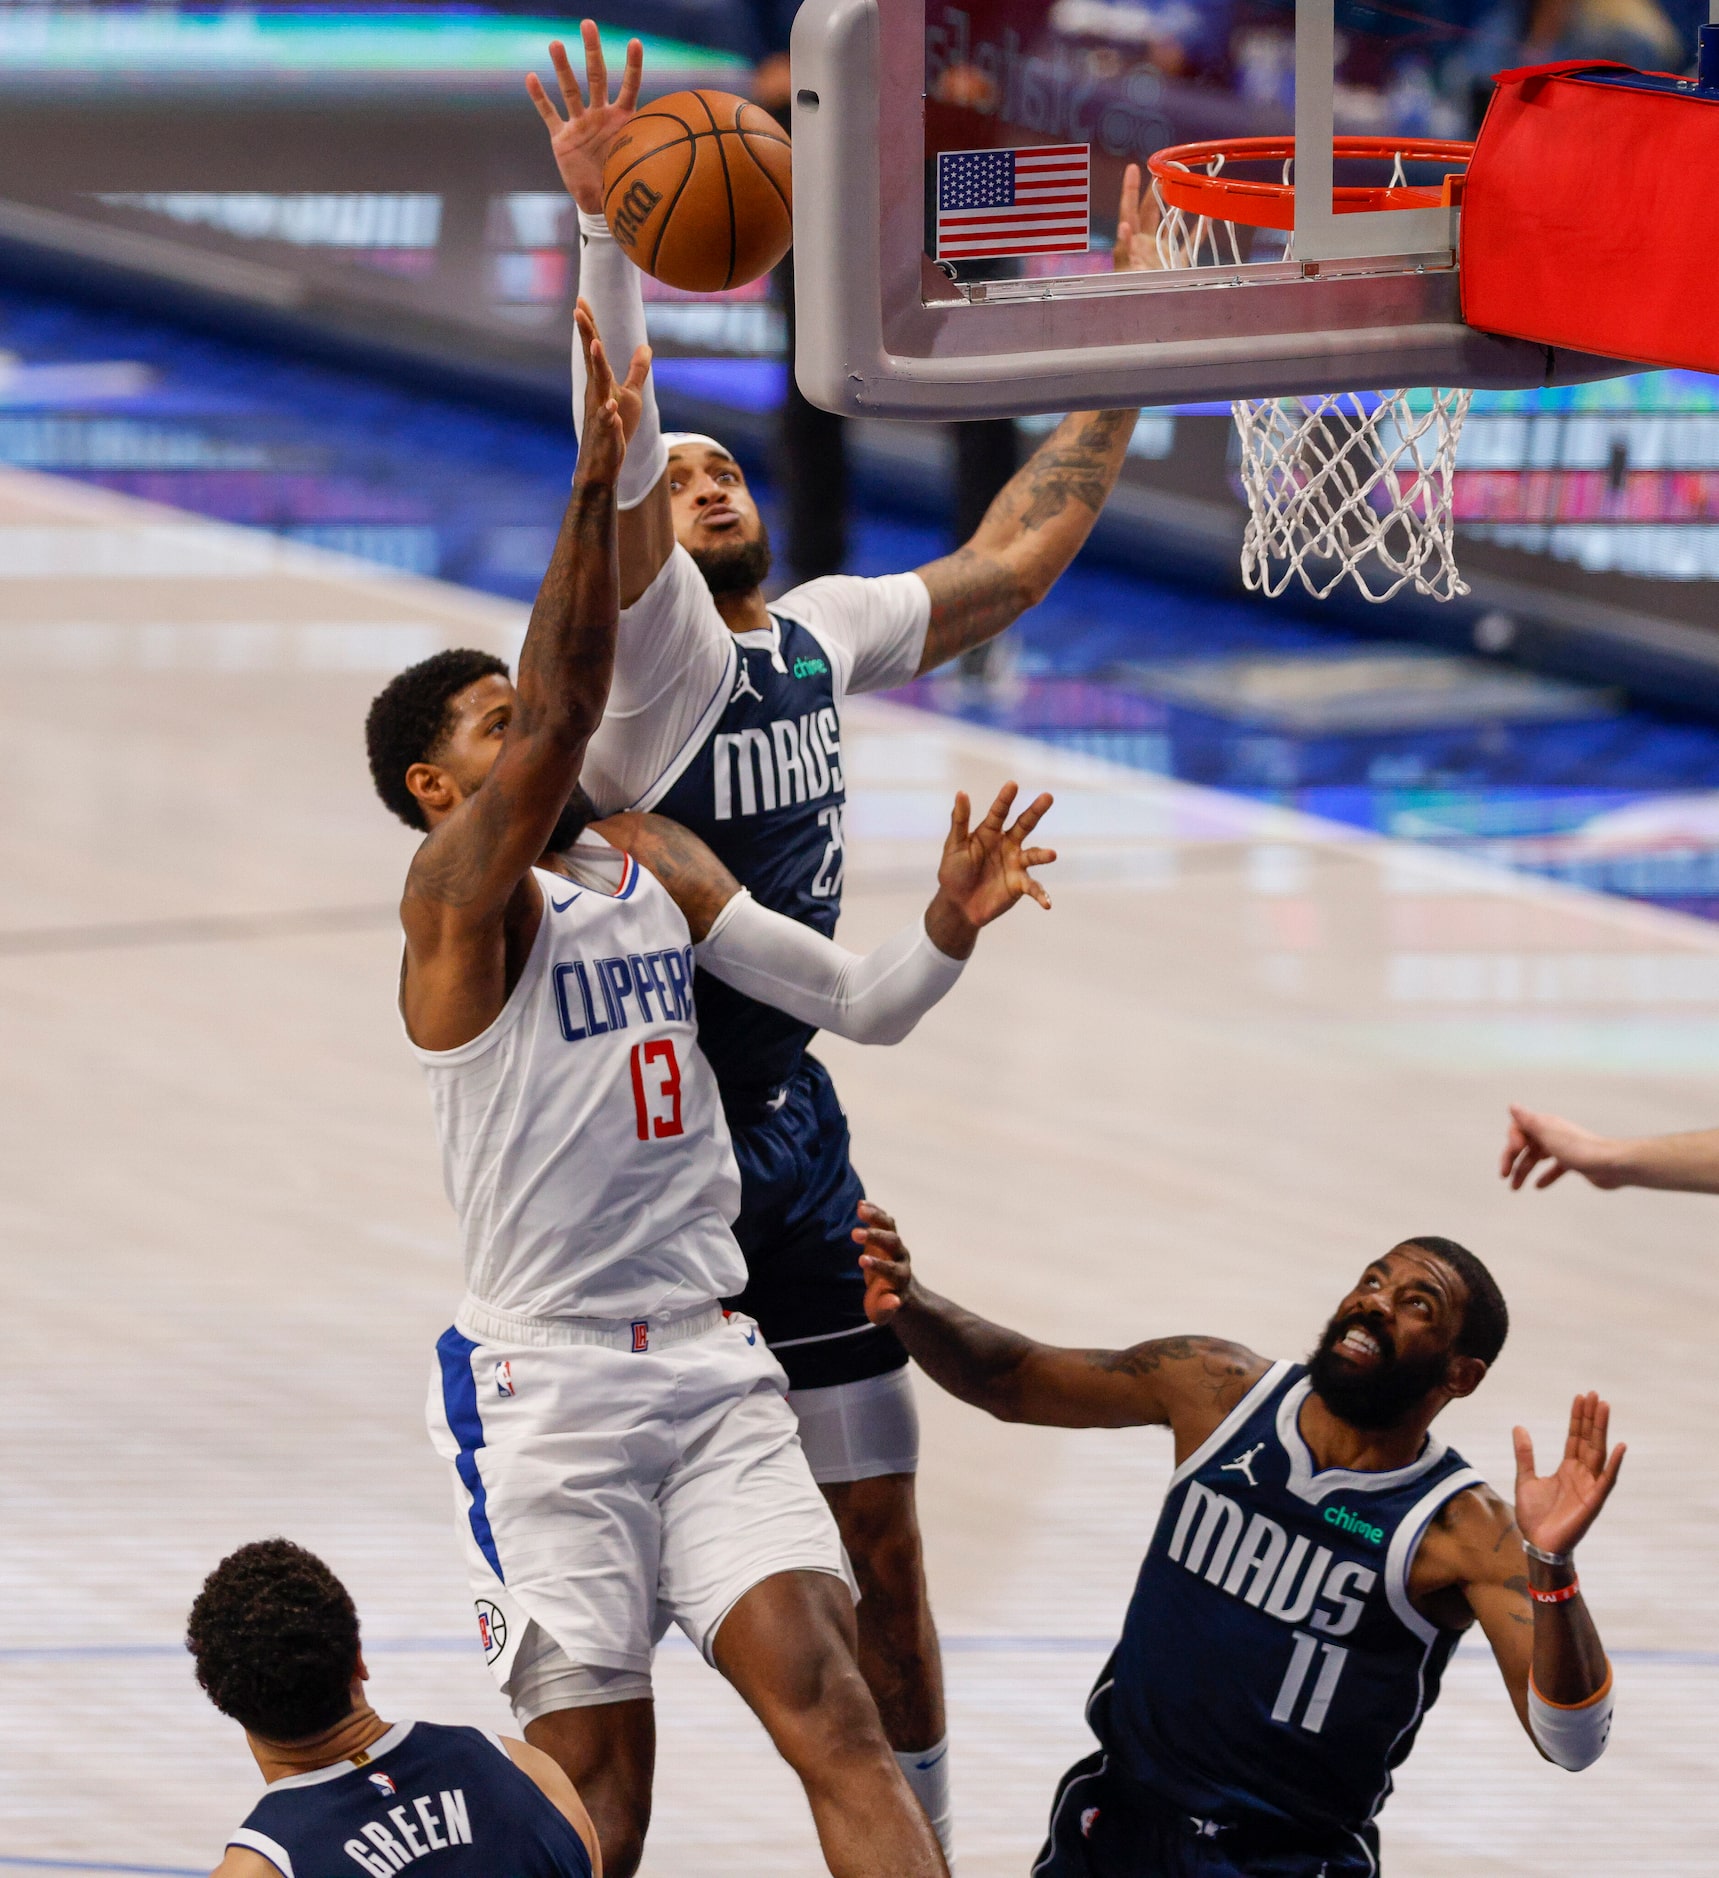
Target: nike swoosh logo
<point x="924" y="1767"/>
<point x="561" y="906"/>
<point x="751" y="1336"/>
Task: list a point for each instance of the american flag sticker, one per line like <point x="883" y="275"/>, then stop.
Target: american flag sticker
<point x="1000" y="202"/>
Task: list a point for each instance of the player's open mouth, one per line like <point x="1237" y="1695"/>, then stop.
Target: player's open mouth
<point x="1360" y="1345"/>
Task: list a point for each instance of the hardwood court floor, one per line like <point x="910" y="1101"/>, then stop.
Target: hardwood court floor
<point x="1244" y="1053"/>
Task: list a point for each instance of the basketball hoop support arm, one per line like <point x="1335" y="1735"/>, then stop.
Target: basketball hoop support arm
<point x="1320" y="233"/>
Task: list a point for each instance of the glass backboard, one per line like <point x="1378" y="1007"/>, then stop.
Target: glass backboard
<point x="958" y="168"/>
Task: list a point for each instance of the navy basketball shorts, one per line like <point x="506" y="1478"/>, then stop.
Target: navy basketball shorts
<point x="799" y="1205"/>
<point x="1105" y="1826"/>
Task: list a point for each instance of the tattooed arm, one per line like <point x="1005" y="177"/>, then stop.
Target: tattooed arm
<point x="1187" y="1383"/>
<point x="1042" y="517"/>
<point x="1030" y="533"/>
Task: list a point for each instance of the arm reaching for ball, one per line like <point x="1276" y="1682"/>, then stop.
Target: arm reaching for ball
<point x="610" y="284"/>
<point x="1186" y="1383"/>
<point x="876" y="997"/>
<point x="1042" y="516"/>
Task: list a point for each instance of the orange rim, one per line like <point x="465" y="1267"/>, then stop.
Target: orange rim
<point x="1185" y="180"/>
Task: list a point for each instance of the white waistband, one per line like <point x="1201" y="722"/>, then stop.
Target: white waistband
<point x="488" y="1325"/>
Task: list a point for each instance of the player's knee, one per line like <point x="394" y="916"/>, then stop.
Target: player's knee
<point x="623" y="1849"/>
<point x="878" y="1514"/>
<point x="834" y="1725"/>
<point x="880" y="1529"/>
<point x="622" y="1817"/>
<point x="608" y="1754"/>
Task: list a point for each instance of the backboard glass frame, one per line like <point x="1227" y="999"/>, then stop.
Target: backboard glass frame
<point x="1371" y="300"/>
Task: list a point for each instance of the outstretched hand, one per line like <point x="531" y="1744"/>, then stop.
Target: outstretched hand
<point x="603" y="444"/>
<point x="1137" y="221"/>
<point x="884" y="1260"/>
<point x="1556" y="1511"/>
<point x="1565" y="1147"/>
<point x="582" y="140"/>
<point x="986" y="869"/>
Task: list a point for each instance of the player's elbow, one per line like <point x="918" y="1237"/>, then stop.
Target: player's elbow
<point x="886" y="1028"/>
<point x="1035" y="583"/>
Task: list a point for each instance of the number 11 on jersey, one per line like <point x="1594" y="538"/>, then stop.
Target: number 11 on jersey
<point x="1324" y="1688"/>
<point x="656" y="1089"/>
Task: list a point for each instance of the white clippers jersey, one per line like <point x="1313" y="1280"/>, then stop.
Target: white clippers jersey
<point x="583" y="1142"/>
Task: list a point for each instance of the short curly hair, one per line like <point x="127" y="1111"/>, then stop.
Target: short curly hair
<point x="274" y="1637"/>
<point x="409" y="719"/>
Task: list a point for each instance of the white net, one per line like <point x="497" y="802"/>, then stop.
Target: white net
<point x="1351" y="485"/>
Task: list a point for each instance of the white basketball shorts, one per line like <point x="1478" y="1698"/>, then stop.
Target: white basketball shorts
<point x="648" y="1474"/>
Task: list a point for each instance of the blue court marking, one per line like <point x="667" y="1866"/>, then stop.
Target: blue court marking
<point x="952" y="1646"/>
<point x="459" y="1400"/>
<point x="80" y="1864"/>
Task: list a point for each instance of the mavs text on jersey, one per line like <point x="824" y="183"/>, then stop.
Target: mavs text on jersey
<point x="758" y="773"/>
<point x="764" y="787"/>
<point x="1272" y="1671"/>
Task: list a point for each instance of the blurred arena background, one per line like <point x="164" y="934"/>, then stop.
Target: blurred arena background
<point x="309" y="271"/>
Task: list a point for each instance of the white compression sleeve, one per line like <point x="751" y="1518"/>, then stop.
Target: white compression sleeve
<point x="1572" y="1738"/>
<point x="610" y="283"/>
<point x="874" y="999"/>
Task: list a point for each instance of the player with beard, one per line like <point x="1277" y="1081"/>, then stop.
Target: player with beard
<point x="725" y="715"/>
<point x="1318" y="1556"/>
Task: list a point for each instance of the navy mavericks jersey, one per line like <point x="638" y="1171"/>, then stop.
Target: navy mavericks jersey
<point x="448" y="1801"/>
<point x="761" y="781"/>
<point x="1272" y="1671"/>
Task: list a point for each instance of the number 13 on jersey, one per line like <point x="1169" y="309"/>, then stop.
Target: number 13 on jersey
<point x="656" y="1089"/>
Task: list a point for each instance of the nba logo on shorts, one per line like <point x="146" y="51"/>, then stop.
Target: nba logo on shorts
<point x="492" y="1630"/>
<point x="641" y="1336"/>
<point x="1088" y="1819"/>
<point x="504" y="1379"/>
<point x="383" y="1784"/>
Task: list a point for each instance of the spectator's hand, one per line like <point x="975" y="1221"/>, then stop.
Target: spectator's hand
<point x="1136" y="226"/>
<point x="583" y="139"/>
<point x="1567" y="1148"/>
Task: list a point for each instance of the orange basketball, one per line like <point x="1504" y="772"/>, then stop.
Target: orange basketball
<point x="698" y="190"/>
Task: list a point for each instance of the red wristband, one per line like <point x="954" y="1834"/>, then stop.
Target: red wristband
<point x="1562" y="1595"/>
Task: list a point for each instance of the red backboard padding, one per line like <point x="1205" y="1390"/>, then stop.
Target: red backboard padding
<point x="1587" y="217"/>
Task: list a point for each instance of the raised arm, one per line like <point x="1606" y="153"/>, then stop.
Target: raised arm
<point x="1044" y="513"/>
<point x="875" y="997"/>
<point x="1030" y="533"/>
<point x="1687" y="1163"/>
<point x="1188" y="1384"/>
<point x="610" y="284"/>
<point x="472" y="875"/>
<point x="1519" y="1579"/>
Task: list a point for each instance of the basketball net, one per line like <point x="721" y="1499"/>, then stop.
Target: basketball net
<point x="1351" y="485"/>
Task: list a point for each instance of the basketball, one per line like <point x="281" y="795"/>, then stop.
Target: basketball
<point x="698" y="190"/>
